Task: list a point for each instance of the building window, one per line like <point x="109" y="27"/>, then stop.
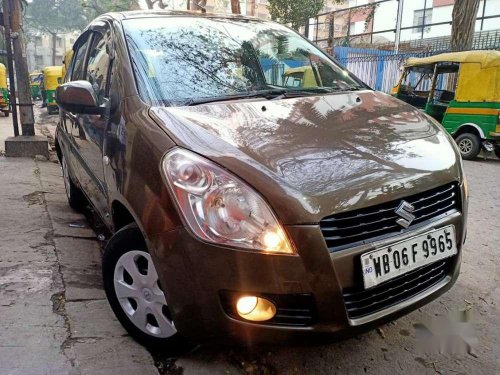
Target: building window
<point x="59" y="59"/>
<point x="38" y="61"/>
<point x="38" y="41"/>
<point x="420" y="20"/>
<point x="59" y="42"/>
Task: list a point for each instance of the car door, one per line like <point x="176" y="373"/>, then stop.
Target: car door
<point x="91" y="128"/>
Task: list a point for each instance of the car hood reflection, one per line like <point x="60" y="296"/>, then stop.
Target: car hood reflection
<point x="313" y="156"/>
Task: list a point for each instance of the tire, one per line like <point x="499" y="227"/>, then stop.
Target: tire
<point x="497" y="152"/>
<point x="469" y="145"/>
<point x="49" y="110"/>
<point x="6" y="113"/>
<point x="126" y="262"/>
<point x="75" y="196"/>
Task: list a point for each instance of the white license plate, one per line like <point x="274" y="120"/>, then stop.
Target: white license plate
<point x="386" y="263"/>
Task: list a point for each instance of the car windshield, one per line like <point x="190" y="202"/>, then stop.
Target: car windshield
<point x="185" y="60"/>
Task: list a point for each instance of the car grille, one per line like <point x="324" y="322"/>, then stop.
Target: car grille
<point x="354" y="228"/>
<point x="360" y="302"/>
<point x="291" y="309"/>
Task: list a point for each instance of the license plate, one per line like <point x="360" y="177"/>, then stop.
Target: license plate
<point x="389" y="262"/>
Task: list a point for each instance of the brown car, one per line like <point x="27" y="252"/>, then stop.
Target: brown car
<point x="256" y="189"/>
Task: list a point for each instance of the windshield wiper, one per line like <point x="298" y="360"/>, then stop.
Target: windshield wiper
<point x="267" y="94"/>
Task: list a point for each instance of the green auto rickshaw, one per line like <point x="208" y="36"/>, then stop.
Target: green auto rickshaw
<point x="35" y="79"/>
<point x="462" y="91"/>
<point x="4" y="92"/>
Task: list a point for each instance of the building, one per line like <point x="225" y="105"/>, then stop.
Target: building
<point x="39" y="49"/>
<point x="370" y="22"/>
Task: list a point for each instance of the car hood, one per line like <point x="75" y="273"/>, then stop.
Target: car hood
<point x="311" y="157"/>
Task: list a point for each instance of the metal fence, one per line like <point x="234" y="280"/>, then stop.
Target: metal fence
<point x="378" y="69"/>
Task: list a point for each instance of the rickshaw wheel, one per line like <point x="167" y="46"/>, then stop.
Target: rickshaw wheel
<point x="469" y="145"/>
<point x="497" y="152"/>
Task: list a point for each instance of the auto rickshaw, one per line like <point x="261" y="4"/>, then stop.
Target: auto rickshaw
<point x="35" y="79"/>
<point x="462" y="91"/>
<point x="67" y="59"/>
<point x="301" y="77"/>
<point x="52" y="78"/>
<point x="4" y="92"/>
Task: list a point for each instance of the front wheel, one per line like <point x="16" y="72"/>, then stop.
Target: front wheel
<point x="469" y="145"/>
<point x="134" y="292"/>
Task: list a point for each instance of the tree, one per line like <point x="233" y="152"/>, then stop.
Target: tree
<point x="94" y="8"/>
<point x="463" y="23"/>
<point x="295" y="12"/>
<point x="54" y="17"/>
<point x="235" y="7"/>
<point x="151" y="3"/>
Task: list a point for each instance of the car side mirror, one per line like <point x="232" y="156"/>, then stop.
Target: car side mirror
<point x="78" y="97"/>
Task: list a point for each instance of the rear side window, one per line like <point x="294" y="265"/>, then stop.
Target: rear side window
<point x="79" y="61"/>
<point x="97" y="67"/>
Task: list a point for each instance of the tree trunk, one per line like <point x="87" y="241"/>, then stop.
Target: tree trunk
<point x="22" y="74"/>
<point x="235" y="7"/>
<point x="53" y="42"/>
<point x="464" y="20"/>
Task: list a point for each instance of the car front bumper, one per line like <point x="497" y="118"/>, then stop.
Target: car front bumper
<point x="195" y="275"/>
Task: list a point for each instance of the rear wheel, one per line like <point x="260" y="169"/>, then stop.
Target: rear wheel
<point x="76" y="199"/>
<point x="469" y="145"/>
<point x="497" y="152"/>
<point x="133" y="290"/>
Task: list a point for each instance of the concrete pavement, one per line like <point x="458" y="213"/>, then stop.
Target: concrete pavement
<point x="53" y="312"/>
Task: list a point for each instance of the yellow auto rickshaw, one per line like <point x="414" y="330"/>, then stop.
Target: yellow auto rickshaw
<point x="53" y="76"/>
<point x="462" y="91"/>
<point x="4" y="92"/>
<point x="66" y="61"/>
<point x="301" y="77"/>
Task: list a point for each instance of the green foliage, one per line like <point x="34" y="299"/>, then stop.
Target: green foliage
<point x="55" y="16"/>
<point x="295" y="12"/>
<point x="94" y="8"/>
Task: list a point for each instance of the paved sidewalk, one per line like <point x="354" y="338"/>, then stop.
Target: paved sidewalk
<point x="53" y="312"/>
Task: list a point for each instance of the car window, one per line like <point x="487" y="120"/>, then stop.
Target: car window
<point x="79" y="60"/>
<point x="97" y="66"/>
<point x="185" y="59"/>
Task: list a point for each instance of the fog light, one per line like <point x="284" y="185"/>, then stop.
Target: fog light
<point x="255" y="308"/>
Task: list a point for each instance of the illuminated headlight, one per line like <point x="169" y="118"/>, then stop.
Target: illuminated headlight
<point x="220" y="208"/>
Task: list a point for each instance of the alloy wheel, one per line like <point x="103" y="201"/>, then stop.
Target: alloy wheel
<point x="465" y="146"/>
<point x="140" y="296"/>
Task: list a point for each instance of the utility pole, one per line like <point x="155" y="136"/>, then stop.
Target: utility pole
<point x="10" y="66"/>
<point x="28" y="144"/>
<point x="22" y="74"/>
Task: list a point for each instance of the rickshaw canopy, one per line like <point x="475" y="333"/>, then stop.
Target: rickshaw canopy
<point x="479" y="74"/>
<point x="52" y="77"/>
<point x="3" y="76"/>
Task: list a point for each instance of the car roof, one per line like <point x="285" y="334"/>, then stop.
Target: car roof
<point x="119" y="16"/>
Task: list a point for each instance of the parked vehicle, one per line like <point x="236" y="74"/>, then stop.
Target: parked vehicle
<point x="302" y="77"/>
<point x="244" y="209"/>
<point x="35" y="79"/>
<point x="52" y="78"/>
<point x="4" y="91"/>
<point x="462" y="91"/>
<point x="67" y="59"/>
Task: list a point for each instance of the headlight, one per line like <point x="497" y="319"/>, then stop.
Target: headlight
<point x="220" y="208"/>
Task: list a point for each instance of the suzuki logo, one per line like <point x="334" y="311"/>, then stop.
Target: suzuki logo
<point x="405" y="210"/>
